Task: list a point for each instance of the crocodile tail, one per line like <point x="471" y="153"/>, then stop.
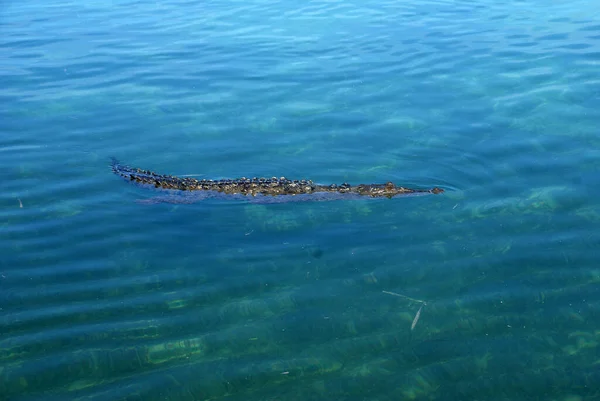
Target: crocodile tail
<point x="123" y="170"/>
<point x="120" y="169"/>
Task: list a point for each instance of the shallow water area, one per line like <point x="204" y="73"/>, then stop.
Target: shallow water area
<point x="115" y="291"/>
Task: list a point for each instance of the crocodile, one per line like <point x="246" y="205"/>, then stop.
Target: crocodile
<point x="266" y="190"/>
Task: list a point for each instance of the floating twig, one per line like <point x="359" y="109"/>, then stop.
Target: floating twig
<point x="418" y="315"/>
<point x="416" y="319"/>
<point x="404" y="296"/>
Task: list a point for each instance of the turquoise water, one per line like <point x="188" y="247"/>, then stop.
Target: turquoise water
<point x="104" y="296"/>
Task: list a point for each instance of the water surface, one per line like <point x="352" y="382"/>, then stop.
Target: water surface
<point x="104" y="297"/>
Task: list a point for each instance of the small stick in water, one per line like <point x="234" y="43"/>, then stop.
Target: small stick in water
<point x="404" y="296"/>
<point x="416" y="319"/>
<point x="418" y="315"/>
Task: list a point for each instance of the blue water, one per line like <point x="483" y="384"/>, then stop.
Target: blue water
<point x="108" y="295"/>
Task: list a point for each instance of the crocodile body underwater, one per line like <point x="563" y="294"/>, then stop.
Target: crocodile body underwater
<point x="263" y="190"/>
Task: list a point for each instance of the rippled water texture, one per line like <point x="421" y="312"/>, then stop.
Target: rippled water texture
<point x="107" y="294"/>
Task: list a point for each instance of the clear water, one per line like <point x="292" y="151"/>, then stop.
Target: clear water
<point x="106" y="298"/>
